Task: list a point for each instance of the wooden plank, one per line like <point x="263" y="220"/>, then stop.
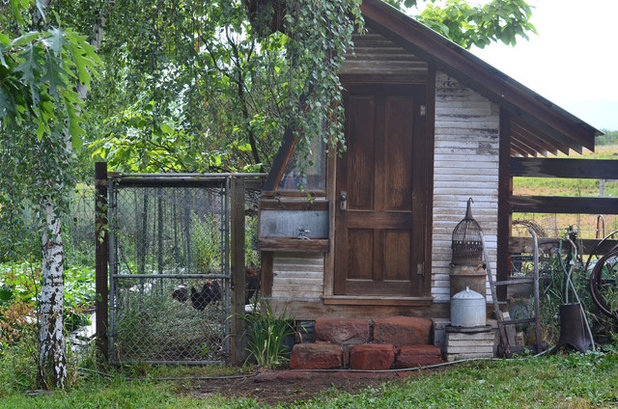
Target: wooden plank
<point x="289" y="204"/>
<point x="505" y="190"/>
<point x="293" y="244"/>
<point x="266" y="271"/>
<point x="525" y="245"/>
<point x="427" y="192"/>
<point x="237" y="255"/>
<point x="555" y="204"/>
<point x="565" y="168"/>
<point x="531" y="134"/>
<point x="101" y="258"/>
<point x="383" y="301"/>
<point x="312" y="309"/>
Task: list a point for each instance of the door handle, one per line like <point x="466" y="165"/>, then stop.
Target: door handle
<point x="343" y="200"/>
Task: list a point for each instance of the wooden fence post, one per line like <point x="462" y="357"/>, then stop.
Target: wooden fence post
<point x="237" y="251"/>
<point x="102" y="258"/>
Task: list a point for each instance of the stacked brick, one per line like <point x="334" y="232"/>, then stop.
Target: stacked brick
<point x="396" y="342"/>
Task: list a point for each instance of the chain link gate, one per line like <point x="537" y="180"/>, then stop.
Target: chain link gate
<point x="170" y="280"/>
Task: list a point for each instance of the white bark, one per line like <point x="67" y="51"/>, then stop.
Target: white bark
<point x="52" y="347"/>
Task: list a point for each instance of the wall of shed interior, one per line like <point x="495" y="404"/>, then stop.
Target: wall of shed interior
<point x="466" y="165"/>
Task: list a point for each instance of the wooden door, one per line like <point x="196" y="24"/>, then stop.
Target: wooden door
<point x="380" y="187"/>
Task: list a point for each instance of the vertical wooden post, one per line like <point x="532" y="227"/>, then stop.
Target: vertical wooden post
<point x="101" y="258"/>
<point x="237" y="254"/>
<point x="505" y="191"/>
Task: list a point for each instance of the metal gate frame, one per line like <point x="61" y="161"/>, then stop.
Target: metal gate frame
<point x="233" y="272"/>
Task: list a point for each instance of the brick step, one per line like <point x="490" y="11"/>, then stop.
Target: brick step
<point x="363" y="356"/>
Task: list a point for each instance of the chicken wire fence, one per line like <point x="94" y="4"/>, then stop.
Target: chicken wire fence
<point x="170" y="276"/>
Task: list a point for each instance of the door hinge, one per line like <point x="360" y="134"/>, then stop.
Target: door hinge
<point x="420" y="269"/>
<point x="422" y="110"/>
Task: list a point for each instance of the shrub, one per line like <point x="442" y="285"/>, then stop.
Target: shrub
<point x="266" y="335"/>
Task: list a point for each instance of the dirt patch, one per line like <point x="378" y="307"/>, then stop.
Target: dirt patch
<point x="288" y="386"/>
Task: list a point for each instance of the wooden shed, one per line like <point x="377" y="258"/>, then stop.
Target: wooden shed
<point x="428" y="125"/>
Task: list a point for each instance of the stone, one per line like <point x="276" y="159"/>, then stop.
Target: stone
<point x="411" y="356"/>
<point x="342" y="330"/>
<point x="316" y="356"/>
<point x="372" y="356"/>
<point x="402" y="331"/>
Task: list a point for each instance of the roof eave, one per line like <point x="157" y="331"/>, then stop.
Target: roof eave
<point x="474" y="72"/>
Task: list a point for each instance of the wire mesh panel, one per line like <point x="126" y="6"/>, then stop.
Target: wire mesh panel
<point x="169" y="270"/>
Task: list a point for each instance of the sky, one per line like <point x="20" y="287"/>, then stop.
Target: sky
<point x="573" y="61"/>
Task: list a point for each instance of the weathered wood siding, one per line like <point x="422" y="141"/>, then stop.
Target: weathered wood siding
<point x="298" y="276"/>
<point x="465" y="165"/>
<point x="375" y="54"/>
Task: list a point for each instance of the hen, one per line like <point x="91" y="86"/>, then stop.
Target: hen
<point x="211" y="293"/>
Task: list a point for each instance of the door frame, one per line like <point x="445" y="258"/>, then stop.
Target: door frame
<point x="425" y="205"/>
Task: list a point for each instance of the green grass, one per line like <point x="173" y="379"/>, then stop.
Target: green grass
<point x="573" y="381"/>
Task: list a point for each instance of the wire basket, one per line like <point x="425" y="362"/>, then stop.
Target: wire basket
<point x="466" y="243"/>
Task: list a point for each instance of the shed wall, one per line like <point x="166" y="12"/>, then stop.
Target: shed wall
<point x="465" y="165"/>
<point x="298" y="276"/>
<point x="375" y="54"/>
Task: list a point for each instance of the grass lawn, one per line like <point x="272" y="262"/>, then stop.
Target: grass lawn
<point x="573" y="381"/>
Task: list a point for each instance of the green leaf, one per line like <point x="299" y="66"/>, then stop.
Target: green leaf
<point x="76" y="142"/>
<point x="56" y="40"/>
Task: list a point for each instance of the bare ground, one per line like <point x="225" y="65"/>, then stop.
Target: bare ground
<point x="286" y="387"/>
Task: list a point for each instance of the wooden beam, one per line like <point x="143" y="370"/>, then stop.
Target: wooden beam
<point x="536" y="137"/>
<point x="530" y="132"/>
<point x="555" y="204"/>
<point x="526" y="244"/>
<point x="101" y="258"/>
<point x="281" y="160"/>
<point x="565" y="168"/>
<point x="266" y="274"/>
<point x="293" y="244"/>
<point x="505" y="190"/>
<point x="521" y="147"/>
<point x="237" y="255"/>
<point x="298" y="204"/>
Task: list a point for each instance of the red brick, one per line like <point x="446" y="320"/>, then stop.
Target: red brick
<point x="410" y="356"/>
<point x="315" y="356"/>
<point x="342" y="330"/>
<point x="372" y="356"/>
<point x="401" y="331"/>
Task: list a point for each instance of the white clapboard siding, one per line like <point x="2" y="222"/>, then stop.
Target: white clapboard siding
<point x="375" y="54"/>
<point x="465" y="165"/>
<point x="298" y="275"/>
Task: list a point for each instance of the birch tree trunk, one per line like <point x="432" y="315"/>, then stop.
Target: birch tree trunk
<point x="52" y="347"/>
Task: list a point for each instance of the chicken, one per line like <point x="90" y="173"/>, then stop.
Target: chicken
<point x="252" y="283"/>
<point x="210" y="293"/>
<point x="180" y="293"/>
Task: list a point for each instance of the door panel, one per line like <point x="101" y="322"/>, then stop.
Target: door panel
<point x="378" y="231"/>
<point x="361" y="153"/>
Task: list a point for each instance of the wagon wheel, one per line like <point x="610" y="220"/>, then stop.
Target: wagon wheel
<point x="604" y="283"/>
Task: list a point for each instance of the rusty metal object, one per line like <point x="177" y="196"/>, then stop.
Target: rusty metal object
<point x="462" y="276"/>
<point x="572" y="328"/>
